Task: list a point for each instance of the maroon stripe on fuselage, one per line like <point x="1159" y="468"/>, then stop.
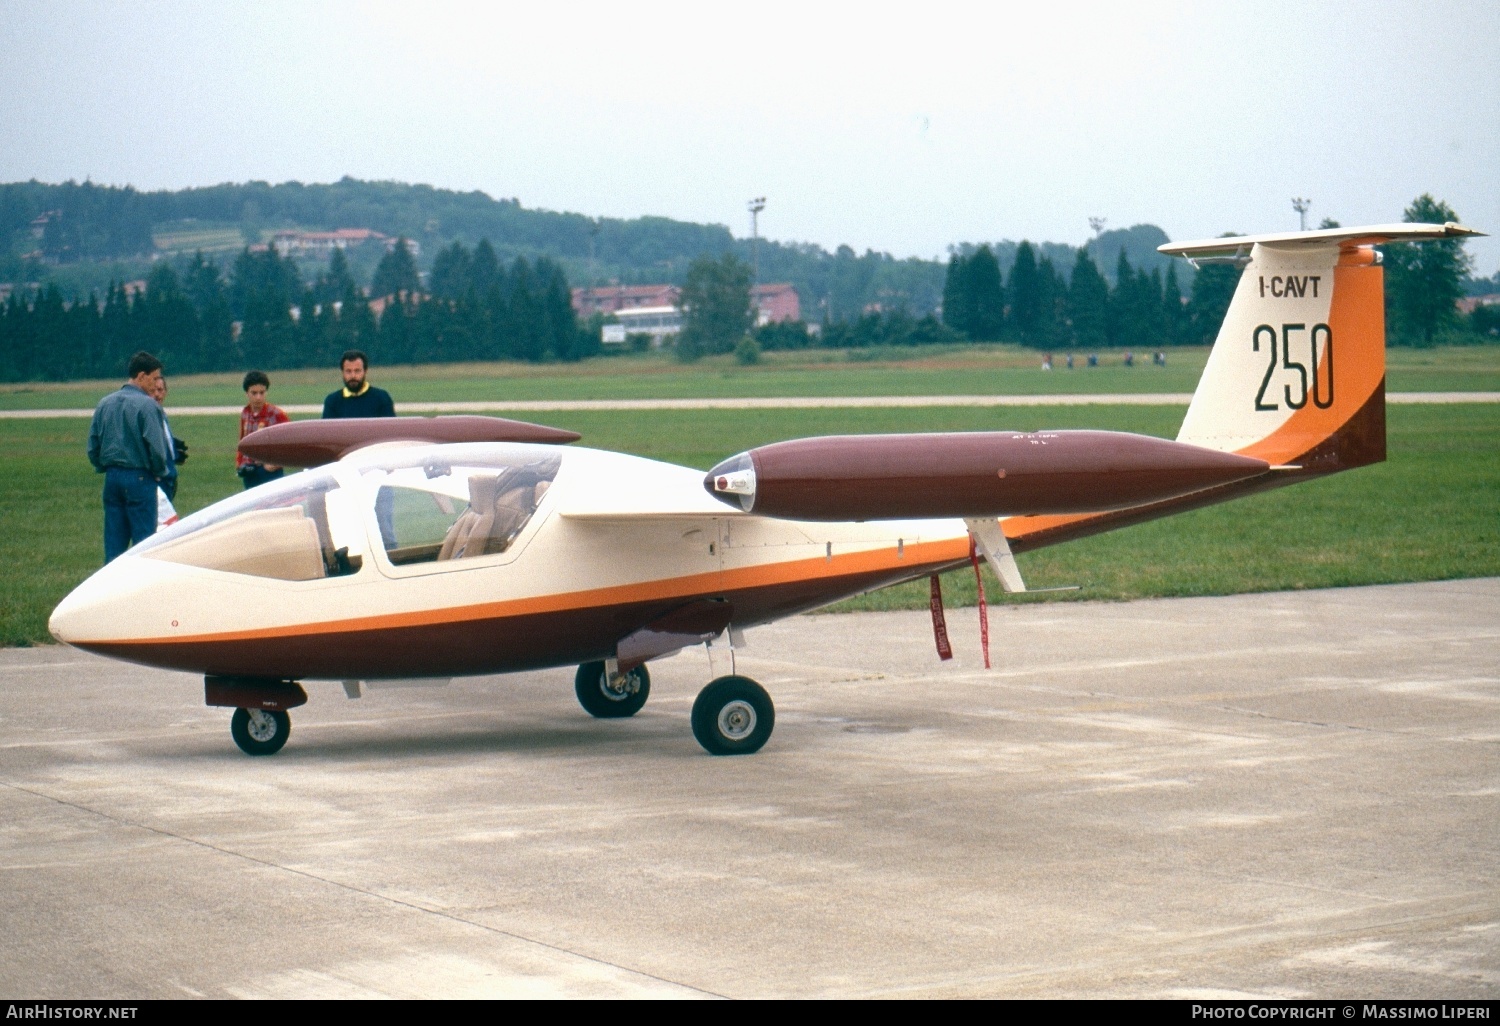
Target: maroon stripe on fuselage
<point x="500" y="644"/>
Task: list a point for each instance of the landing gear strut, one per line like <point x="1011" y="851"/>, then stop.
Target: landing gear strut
<point x="733" y="716"/>
<point x="611" y="697"/>
<point x="260" y="731"/>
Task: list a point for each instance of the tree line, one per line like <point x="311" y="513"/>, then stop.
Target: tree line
<point x="1037" y="306"/>
<point x="93" y="232"/>
<point x="261" y="313"/>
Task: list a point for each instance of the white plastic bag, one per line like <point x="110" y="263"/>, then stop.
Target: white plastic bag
<point x="165" y="514"/>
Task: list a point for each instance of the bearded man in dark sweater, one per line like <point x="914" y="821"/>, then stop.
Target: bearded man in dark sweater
<point x="358" y="398"/>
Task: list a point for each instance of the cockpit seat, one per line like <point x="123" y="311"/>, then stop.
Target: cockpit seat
<point x="475" y="521"/>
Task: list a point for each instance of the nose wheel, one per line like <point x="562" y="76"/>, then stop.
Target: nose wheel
<point x="733" y="716"/>
<point x="260" y="731"/>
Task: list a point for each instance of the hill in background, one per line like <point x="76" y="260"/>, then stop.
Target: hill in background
<point x="83" y="236"/>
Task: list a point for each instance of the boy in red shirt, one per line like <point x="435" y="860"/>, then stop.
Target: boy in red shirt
<point x="256" y="415"/>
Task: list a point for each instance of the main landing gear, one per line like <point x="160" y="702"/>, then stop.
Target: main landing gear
<point x="611" y="696"/>
<point x="732" y="716"/>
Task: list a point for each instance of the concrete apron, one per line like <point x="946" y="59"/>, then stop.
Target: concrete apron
<point x="1282" y="795"/>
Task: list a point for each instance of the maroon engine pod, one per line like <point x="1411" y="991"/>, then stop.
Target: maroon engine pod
<point x="964" y="474"/>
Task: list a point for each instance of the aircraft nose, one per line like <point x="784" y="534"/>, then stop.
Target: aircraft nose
<point x="101" y="608"/>
<point x="82" y="614"/>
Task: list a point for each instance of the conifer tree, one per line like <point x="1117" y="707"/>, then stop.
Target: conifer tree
<point x="451" y="277"/>
<point x="527" y="341"/>
<point x="1025" y="296"/>
<point x="986" y="296"/>
<point x="1150" y="310"/>
<point x="957" y="309"/>
<point x="1173" y="314"/>
<point x="395" y="330"/>
<point x="1088" y="303"/>
<point x="396" y="272"/>
<point x="1213" y="288"/>
<point x="168" y="317"/>
<point x="484" y="267"/>
<point x="204" y="286"/>
<point x="1046" y="332"/>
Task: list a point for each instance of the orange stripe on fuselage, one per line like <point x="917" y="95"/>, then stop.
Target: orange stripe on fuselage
<point x="917" y="556"/>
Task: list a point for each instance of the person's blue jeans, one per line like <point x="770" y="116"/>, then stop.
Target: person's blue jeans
<point x="129" y="509"/>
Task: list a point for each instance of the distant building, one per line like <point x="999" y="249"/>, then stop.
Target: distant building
<point x="1469" y="304"/>
<point x="379" y="303"/>
<point x="40" y="222"/>
<point x="656" y="321"/>
<point x="322" y="244"/>
<point x="773" y="303"/>
<point x="614" y="298"/>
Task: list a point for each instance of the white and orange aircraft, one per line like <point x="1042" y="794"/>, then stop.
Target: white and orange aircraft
<point x="439" y="547"/>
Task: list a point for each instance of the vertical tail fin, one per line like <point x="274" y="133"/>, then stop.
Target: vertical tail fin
<point x="1297" y="374"/>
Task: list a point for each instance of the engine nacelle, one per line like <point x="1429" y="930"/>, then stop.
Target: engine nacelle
<point x="973" y="474"/>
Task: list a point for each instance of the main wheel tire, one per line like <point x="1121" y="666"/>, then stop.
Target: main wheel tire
<point x="611" y="700"/>
<point x="260" y="731"/>
<point x="733" y="716"/>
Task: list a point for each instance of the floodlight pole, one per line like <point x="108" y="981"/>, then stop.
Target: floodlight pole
<point x="1301" y="206"/>
<point x="756" y="206"/>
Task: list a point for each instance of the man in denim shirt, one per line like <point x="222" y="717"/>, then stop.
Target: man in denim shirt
<point x="128" y="445"/>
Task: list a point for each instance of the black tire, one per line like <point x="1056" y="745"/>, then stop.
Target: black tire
<point x="591" y="685"/>
<point x="733" y="716"/>
<point x="260" y="731"/>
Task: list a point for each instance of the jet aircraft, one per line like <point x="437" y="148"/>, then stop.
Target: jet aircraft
<point x="440" y="547"/>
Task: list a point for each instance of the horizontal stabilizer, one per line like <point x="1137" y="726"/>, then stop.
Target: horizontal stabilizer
<point x="1239" y="245"/>
<point x="312" y="443"/>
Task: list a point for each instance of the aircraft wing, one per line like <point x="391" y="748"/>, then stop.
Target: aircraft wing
<point x="312" y="443"/>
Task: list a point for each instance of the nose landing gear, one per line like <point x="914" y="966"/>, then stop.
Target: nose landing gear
<point x="260" y="731"/>
<point x="260" y="724"/>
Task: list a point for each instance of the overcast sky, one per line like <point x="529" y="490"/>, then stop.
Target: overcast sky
<point x="903" y="127"/>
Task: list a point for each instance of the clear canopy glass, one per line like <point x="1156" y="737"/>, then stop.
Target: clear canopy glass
<point x="426" y="504"/>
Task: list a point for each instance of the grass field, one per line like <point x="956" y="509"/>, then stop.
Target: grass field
<point x="1431" y="512"/>
<point x="208" y="240"/>
<point x="967" y="370"/>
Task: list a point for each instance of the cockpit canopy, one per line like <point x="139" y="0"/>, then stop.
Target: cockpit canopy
<point x="422" y="504"/>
